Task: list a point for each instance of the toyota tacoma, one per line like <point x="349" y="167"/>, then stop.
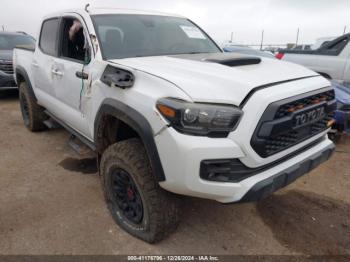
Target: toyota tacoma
<point x="168" y="113"/>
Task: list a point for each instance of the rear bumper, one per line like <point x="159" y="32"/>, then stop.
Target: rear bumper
<point x="7" y="81"/>
<point x="287" y="176"/>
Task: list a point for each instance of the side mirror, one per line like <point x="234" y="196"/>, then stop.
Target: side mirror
<point x="117" y="77"/>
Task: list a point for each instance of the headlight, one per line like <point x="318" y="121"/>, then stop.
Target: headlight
<point x="200" y="119"/>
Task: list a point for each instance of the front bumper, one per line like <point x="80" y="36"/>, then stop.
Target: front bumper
<point x="7" y="81"/>
<point x="286" y="177"/>
<point x="182" y="155"/>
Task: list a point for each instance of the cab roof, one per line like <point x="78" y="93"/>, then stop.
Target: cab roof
<point x="95" y="11"/>
<point x="111" y="10"/>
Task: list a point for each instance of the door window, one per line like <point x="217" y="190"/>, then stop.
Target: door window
<point x="73" y="43"/>
<point x="48" y="37"/>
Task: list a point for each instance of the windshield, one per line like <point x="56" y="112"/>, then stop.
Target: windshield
<point x="123" y="36"/>
<point x="9" y="42"/>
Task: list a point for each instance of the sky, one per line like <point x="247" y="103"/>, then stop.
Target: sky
<point x="280" y="19"/>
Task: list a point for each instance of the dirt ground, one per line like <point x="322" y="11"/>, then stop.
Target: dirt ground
<point x="51" y="203"/>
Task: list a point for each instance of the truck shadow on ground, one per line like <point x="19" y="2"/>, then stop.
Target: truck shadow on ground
<point x="301" y="222"/>
<point x="84" y="166"/>
<point x="11" y="94"/>
<point x="308" y="223"/>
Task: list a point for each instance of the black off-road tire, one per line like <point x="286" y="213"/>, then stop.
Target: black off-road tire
<point x="160" y="208"/>
<point x="33" y="114"/>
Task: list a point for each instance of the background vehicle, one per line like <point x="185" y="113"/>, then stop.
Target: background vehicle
<point x="332" y="60"/>
<point x="248" y="51"/>
<point x="322" y="41"/>
<point x="8" y="41"/>
<point x="302" y="47"/>
<point x="169" y="114"/>
<point x="342" y="115"/>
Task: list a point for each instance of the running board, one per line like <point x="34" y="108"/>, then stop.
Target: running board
<point x="51" y="124"/>
<point x="74" y="133"/>
<point x="79" y="147"/>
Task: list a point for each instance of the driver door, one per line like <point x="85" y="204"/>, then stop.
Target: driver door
<point x="71" y="72"/>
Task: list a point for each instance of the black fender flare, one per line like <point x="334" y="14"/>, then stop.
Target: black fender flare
<point x="136" y="121"/>
<point x="20" y="71"/>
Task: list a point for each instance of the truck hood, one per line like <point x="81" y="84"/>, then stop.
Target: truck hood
<point x="6" y="55"/>
<point x="205" y="81"/>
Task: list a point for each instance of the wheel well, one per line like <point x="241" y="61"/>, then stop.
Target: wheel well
<point x="20" y="78"/>
<point x="325" y="75"/>
<point x="112" y="130"/>
<point x="116" y="121"/>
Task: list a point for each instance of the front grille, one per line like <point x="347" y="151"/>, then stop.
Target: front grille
<point x="279" y="143"/>
<point x="292" y="107"/>
<point x="277" y="129"/>
<point x="6" y="67"/>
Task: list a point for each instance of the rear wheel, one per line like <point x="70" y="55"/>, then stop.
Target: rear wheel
<point x="33" y="114"/>
<point x="134" y="198"/>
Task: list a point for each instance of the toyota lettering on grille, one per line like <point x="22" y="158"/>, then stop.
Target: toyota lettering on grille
<point x="309" y="117"/>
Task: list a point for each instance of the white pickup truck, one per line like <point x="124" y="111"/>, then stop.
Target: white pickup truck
<point x="331" y="60"/>
<point x="168" y="113"/>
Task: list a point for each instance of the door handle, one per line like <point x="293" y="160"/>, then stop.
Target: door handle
<point x="56" y="72"/>
<point x="35" y="64"/>
<point x="81" y="75"/>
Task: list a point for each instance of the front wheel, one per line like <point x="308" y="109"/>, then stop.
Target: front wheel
<point x="134" y="198"/>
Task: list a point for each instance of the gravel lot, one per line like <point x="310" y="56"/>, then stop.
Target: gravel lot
<point x="51" y="203"/>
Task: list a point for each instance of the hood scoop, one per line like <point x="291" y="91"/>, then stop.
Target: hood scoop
<point x="227" y="59"/>
<point x="235" y="61"/>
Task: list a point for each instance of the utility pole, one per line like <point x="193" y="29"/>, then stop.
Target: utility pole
<point x="262" y="40"/>
<point x="296" y="42"/>
<point x="344" y="30"/>
<point x="231" y="37"/>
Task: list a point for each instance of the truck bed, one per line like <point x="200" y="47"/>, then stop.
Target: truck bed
<point x="26" y="47"/>
<point x="23" y="59"/>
